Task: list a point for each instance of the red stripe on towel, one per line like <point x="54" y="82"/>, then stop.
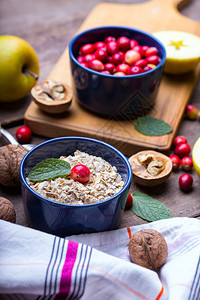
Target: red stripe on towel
<point x="129" y="232"/>
<point x="160" y="294"/>
<point x="66" y="275"/>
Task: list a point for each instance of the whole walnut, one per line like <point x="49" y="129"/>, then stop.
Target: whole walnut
<point x="10" y="159"/>
<point x="148" y="248"/>
<point x="7" y="211"/>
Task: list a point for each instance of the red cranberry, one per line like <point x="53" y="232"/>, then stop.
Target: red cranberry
<point x="139" y="49"/>
<point x="185" y="182"/>
<point x="141" y="63"/>
<point x="80" y="173"/>
<point x="112" y="47"/>
<point x="187" y="163"/>
<point x="119" y="74"/>
<point x="122" y="68"/>
<point x="151" y="51"/>
<point x="144" y="48"/>
<point x="105" y="72"/>
<point x="180" y="140"/>
<point x="131" y="57"/>
<point x="123" y="43"/>
<point x="88" y="57"/>
<point x="80" y="58"/>
<point x="117" y="58"/>
<point x="23" y="134"/>
<point x="87" y="49"/>
<point x="129" y="202"/>
<point x="110" y="39"/>
<point x="153" y="59"/>
<point x="109" y="67"/>
<point x="133" y="70"/>
<point x="182" y="150"/>
<point x="84" y="64"/>
<point x="96" y="65"/>
<point x="101" y="54"/>
<point x="133" y="43"/>
<point x="191" y="112"/>
<point x="147" y="68"/>
<point x="175" y="162"/>
<point x="98" y="45"/>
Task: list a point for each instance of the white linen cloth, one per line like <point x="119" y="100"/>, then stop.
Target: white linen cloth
<point x="36" y="265"/>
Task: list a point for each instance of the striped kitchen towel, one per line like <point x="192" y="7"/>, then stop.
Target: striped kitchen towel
<point x="35" y="265"/>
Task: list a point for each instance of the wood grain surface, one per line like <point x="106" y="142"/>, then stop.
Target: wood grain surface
<point x="49" y="26"/>
<point x="150" y="16"/>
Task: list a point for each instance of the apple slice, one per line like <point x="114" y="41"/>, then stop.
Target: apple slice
<point x="182" y="49"/>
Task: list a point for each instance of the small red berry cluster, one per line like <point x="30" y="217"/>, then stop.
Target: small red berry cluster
<point x="120" y="57"/>
<point x="181" y="158"/>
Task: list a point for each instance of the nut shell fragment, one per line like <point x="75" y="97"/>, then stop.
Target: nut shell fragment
<point x="140" y="173"/>
<point x="7" y="211"/>
<point x="52" y="96"/>
<point x="148" y="248"/>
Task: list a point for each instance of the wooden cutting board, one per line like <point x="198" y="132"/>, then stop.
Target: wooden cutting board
<point x="174" y="92"/>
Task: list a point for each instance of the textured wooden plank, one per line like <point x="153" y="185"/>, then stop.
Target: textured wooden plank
<point x="174" y="93"/>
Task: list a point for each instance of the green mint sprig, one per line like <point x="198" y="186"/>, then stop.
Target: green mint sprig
<point x="151" y="126"/>
<point x="50" y="168"/>
<point x="149" y="208"/>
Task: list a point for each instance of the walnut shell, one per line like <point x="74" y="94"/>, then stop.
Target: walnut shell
<point x="7" y="211"/>
<point x="148" y="248"/>
<point x="140" y="172"/>
<point x="10" y="159"/>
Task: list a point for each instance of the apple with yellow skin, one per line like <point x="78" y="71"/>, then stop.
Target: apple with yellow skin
<point x="19" y="68"/>
<point x="182" y="50"/>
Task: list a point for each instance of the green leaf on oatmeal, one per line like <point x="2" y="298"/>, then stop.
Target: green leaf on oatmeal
<point x="50" y="168"/>
<point x="149" y="208"/>
<point x="151" y="126"/>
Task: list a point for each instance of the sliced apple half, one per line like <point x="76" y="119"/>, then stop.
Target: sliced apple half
<point x="182" y="50"/>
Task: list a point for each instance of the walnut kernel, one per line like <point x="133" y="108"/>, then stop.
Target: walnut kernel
<point x="148" y="248"/>
<point x="7" y="211"/>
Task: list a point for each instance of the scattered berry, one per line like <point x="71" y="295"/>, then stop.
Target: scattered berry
<point x="180" y="140"/>
<point x="23" y="134"/>
<point x="182" y="150"/>
<point x="185" y="182"/>
<point x="129" y="201"/>
<point x="191" y="112"/>
<point x="80" y="173"/>
<point x="187" y="163"/>
<point x="175" y="162"/>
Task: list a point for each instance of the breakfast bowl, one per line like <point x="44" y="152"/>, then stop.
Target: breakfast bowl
<point x="66" y="219"/>
<point x="113" y="94"/>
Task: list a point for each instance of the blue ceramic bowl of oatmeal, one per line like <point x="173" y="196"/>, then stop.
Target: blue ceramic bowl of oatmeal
<point x="68" y="209"/>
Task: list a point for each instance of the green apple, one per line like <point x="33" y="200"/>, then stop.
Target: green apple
<point x="182" y="50"/>
<point x="19" y="68"/>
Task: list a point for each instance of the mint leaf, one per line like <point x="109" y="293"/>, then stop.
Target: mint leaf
<point x="50" y="168"/>
<point x="149" y="208"/>
<point x="151" y="126"/>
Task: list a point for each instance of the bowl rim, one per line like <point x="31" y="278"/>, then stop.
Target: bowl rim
<point x="162" y="62"/>
<point x="23" y="179"/>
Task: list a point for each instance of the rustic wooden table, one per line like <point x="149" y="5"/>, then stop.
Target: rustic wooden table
<point x="49" y="26"/>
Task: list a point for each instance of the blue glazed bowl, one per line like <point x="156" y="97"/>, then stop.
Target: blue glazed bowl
<point x="109" y="95"/>
<point x="63" y="219"/>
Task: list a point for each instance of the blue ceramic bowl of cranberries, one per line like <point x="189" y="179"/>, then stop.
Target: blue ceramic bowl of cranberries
<point x="64" y="219"/>
<point x="116" y="71"/>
